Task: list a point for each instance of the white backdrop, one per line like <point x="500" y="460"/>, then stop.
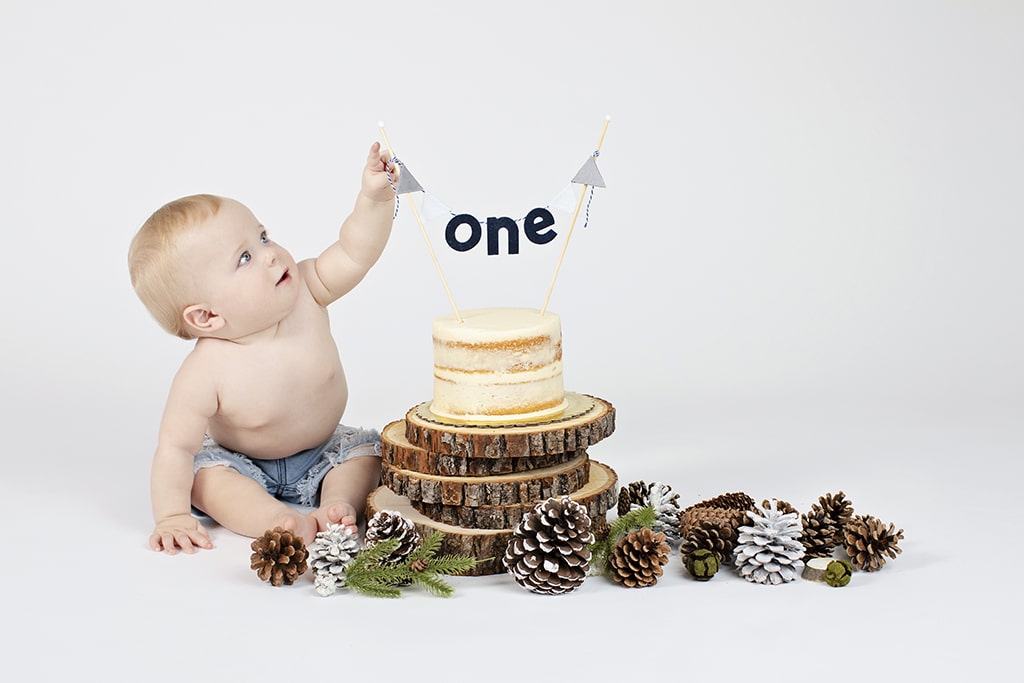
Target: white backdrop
<point x="803" y="276"/>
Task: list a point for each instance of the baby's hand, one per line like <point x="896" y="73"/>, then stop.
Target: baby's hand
<point x="376" y="185"/>
<point x="179" y="531"/>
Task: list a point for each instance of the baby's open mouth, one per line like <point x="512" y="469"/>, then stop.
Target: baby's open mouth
<point x="285" y="276"/>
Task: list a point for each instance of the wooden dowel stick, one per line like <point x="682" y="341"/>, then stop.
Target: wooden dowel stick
<point x="423" y="232"/>
<point x="572" y="224"/>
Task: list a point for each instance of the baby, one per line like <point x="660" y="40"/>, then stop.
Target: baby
<point x="252" y="418"/>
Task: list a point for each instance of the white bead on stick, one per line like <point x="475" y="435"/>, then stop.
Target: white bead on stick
<point x="423" y="230"/>
<point x="572" y="224"/>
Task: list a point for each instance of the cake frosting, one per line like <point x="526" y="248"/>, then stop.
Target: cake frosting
<point x="498" y="365"/>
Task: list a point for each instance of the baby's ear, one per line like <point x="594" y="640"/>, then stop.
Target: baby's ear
<point x="202" y="319"/>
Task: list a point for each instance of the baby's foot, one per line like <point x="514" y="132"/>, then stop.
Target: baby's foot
<point x="304" y="526"/>
<point x="337" y="512"/>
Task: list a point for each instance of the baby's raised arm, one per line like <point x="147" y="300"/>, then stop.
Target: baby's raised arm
<point x="191" y="403"/>
<point x="362" y="236"/>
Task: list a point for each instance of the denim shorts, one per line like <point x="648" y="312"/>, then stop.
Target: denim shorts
<point x="296" y="478"/>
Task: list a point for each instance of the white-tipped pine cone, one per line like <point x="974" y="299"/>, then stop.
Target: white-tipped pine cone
<point x="769" y="550"/>
<point x="659" y="496"/>
<point x="329" y="554"/>
<point x="548" y="552"/>
<point x="388" y="524"/>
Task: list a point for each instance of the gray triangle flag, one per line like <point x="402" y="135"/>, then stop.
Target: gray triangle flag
<point x="589" y="175"/>
<point x="406" y="182"/>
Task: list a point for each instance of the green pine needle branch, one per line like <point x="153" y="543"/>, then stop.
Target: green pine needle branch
<point x="634" y="519"/>
<point x="370" y="575"/>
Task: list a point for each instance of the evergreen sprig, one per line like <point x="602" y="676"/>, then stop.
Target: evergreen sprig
<point x="634" y="519"/>
<point x="369" y="574"/>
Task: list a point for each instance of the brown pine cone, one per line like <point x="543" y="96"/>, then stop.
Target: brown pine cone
<point x="635" y="493"/>
<point x="780" y="505"/>
<point x="549" y="550"/>
<point x="637" y="559"/>
<point x="819" y="535"/>
<point x="735" y="501"/>
<point x="867" y="541"/>
<point x="721" y="517"/>
<point x="600" y="527"/>
<point x="278" y="556"/>
<point x="706" y="535"/>
<point x="837" y="508"/>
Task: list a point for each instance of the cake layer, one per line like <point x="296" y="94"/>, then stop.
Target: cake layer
<point x="396" y="450"/>
<point x="496" y="364"/>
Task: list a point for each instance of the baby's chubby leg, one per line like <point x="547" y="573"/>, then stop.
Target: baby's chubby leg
<point x="242" y="505"/>
<point x="344" y="491"/>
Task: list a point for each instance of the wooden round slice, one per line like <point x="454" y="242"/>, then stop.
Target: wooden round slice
<point x="486" y="545"/>
<point x="584" y="422"/>
<point x="510" y="489"/>
<point x="597" y="496"/>
<point x="396" y="450"/>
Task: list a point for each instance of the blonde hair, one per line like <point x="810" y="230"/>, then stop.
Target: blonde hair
<point x="152" y="258"/>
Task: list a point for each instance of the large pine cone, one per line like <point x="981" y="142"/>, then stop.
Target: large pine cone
<point x="867" y="541"/>
<point x="768" y="550"/>
<point x="735" y="501"/>
<point x="548" y="552"/>
<point x="388" y="524"/>
<point x="637" y="559"/>
<point x="332" y="551"/>
<point x="660" y="497"/>
<point x="708" y="535"/>
<point x="278" y="556"/>
<point x="724" y="518"/>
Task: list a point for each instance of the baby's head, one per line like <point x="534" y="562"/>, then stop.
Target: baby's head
<point x="154" y="258"/>
<point x="204" y="266"/>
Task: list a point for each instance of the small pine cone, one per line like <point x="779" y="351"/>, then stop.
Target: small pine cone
<point x="780" y="505"/>
<point x="660" y="497"/>
<point x="735" y="501"/>
<point x="637" y="559"/>
<point x="388" y="524"/>
<point x="548" y="552"/>
<point x="867" y="541"/>
<point x="701" y="564"/>
<point x="332" y="551"/>
<point x="725" y="518"/>
<point x="635" y="493"/>
<point x="837" y="508"/>
<point x="720" y="540"/>
<point x="819" y="535"/>
<point x="278" y="556"/>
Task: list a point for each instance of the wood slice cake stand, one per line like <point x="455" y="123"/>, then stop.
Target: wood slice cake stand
<point x="488" y="545"/>
<point x="474" y="482"/>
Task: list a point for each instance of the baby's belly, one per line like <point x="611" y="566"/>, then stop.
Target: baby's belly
<point x="277" y="427"/>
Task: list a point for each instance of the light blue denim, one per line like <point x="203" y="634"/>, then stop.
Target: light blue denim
<point x="296" y="478"/>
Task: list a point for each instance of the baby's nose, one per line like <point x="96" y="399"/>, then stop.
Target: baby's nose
<point x="271" y="256"/>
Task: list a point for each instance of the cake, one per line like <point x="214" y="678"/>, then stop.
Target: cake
<point x="498" y="365"/>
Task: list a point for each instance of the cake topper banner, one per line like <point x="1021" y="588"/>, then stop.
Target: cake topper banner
<point x="538" y="223"/>
<point x="464" y="231"/>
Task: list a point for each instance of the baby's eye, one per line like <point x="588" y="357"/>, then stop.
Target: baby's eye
<point x="264" y="239"/>
<point x="244" y="258"/>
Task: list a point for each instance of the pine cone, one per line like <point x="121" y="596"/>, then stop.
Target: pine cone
<point x="724" y="518"/>
<point x="600" y="527"/>
<point x="637" y="559"/>
<point x="734" y="501"/>
<point x="823" y="524"/>
<point x="634" y="493"/>
<point x="780" y="505"/>
<point x="388" y="524"/>
<point x="278" y="556"/>
<point x="702" y="564"/>
<point x="706" y="535"/>
<point x="548" y="552"/>
<point x="867" y="541"/>
<point x="836" y="508"/>
<point x="658" y="496"/>
<point x="769" y="551"/>
<point x="329" y="554"/>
